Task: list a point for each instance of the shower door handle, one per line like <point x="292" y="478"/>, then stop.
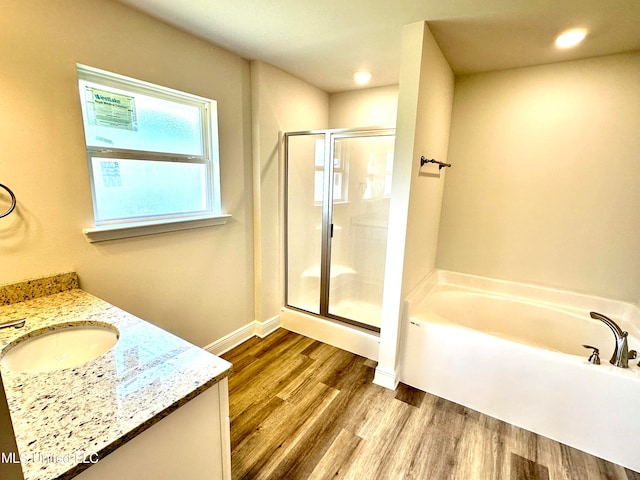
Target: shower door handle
<point x="331" y="231"/>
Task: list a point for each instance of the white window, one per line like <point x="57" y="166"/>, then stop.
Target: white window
<point x="339" y="172"/>
<point x="153" y="156"/>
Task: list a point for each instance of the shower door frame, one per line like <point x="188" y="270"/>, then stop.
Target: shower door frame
<point x="327" y="216"/>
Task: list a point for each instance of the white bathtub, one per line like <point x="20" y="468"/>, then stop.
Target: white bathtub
<point x="514" y="352"/>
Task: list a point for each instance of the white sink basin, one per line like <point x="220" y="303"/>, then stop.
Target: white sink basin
<point x="67" y="346"/>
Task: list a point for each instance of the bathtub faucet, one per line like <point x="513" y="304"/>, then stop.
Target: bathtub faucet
<point x="621" y="354"/>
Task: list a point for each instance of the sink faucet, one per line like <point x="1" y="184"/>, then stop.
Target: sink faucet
<point x="621" y="354"/>
<point x="13" y="323"/>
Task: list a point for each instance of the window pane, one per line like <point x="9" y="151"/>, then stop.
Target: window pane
<point x="139" y="188"/>
<point x="318" y="186"/>
<point x="337" y="186"/>
<point x="116" y="118"/>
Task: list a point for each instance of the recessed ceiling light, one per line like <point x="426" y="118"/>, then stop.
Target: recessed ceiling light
<point x="362" y="78"/>
<point x="571" y="38"/>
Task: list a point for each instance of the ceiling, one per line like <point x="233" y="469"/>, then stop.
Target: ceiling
<point x="325" y="42"/>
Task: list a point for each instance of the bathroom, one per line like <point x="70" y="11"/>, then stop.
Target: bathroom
<point x="544" y="193"/>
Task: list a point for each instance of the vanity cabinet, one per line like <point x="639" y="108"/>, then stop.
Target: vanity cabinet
<point x="192" y="442"/>
<point x="152" y="406"/>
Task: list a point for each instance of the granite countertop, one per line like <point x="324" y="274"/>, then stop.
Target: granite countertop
<point x="64" y="419"/>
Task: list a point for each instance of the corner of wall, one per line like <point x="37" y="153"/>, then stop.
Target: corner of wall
<point x="280" y="102"/>
<point x="414" y="212"/>
<point x="235" y="338"/>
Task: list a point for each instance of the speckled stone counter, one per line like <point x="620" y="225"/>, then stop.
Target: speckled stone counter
<point x="37" y="287"/>
<point x="65" y="419"/>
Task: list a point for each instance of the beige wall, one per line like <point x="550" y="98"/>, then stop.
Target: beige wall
<point x="280" y="103"/>
<point x="197" y="283"/>
<point x="545" y="184"/>
<point x="433" y="120"/>
<point x="367" y="107"/>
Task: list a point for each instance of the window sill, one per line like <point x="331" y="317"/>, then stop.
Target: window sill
<point x="114" y="232"/>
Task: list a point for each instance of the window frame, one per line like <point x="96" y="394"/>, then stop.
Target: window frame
<point x="124" y="227"/>
<point x="340" y="171"/>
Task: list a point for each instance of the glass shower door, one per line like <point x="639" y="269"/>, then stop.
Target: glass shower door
<point x="362" y="167"/>
<point x="304" y="197"/>
<point x="338" y="189"/>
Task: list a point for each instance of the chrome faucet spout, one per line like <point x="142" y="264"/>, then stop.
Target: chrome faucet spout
<point x="620" y="357"/>
<point x="13" y="323"/>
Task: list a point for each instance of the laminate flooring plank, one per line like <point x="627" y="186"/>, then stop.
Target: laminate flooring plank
<point x="306" y="453"/>
<point x="523" y="443"/>
<point x="370" y="363"/>
<point x="254" y="347"/>
<point x="276" y="466"/>
<point x="297" y="456"/>
<point x="275" y="433"/>
<point x="497" y="430"/>
<point x="380" y="444"/>
<point x="436" y="456"/>
<point x="412" y="452"/>
<point x="315" y="345"/>
<point x="243" y="425"/>
<point x="263" y="384"/>
<point x="548" y="453"/>
<point x="338" y="369"/>
<point x="332" y="424"/>
<point x="271" y="343"/>
<point x="401" y="449"/>
<point x="240" y="363"/>
<point x="267" y="376"/>
<point x="339" y="453"/>
<point x="348" y="374"/>
<point x="286" y="348"/>
<point x="409" y="395"/>
<point x="360" y="401"/>
<point x="321" y="367"/>
<point x="239" y="352"/>
<point x="598" y="468"/>
<point x="381" y="418"/>
<point x="261" y="370"/>
<point x="480" y="454"/>
<point x="301" y="378"/>
<point x="572" y="462"/>
<point x="525" y="469"/>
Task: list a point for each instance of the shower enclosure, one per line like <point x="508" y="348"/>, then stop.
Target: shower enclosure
<point x="338" y="187"/>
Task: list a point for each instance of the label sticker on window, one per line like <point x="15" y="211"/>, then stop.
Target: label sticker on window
<point x="110" y="174"/>
<point x="108" y="109"/>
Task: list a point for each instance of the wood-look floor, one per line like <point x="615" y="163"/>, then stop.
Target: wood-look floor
<point x="301" y="409"/>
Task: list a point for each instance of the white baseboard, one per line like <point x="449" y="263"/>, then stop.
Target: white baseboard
<point x="255" y="328"/>
<point x="386" y="378"/>
<point x="268" y="326"/>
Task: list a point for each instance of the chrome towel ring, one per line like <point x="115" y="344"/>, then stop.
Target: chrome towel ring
<point x="13" y="201"/>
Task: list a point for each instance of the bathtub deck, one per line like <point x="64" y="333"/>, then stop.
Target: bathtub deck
<point x="301" y="409"/>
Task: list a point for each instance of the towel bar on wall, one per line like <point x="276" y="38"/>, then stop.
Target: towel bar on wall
<point x="441" y="165"/>
<point x="13" y="201"/>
